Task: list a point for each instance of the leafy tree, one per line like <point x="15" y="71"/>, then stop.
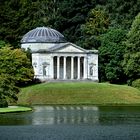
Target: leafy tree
<point x="97" y="24"/>
<point x="122" y="12"/>
<point x="8" y="90"/>
<point x="15" y="70"/>
<point x="18" y="17"/>
<point x="15" y="63"/>
<point x="70" y="15"/>
<point x="111" y="56"/>
<point x="132" y="53"/>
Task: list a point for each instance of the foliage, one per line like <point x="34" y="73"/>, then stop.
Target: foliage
<point x="131" y="62"/>
<point x="15" y="70"/>
<point x="15" y="63"/>
<point x="96" y="24"/>
<point x="122" y="12"/>
<point x="111" y="56"/>
<point x="71" y="15"/>
<point x="136" y="83"/>
<point x="3" y="103"/>
<point x="8" y="90"/>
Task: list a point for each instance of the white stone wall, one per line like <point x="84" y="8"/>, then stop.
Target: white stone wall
<point x="43" y="62"/>
<point x="93" y="67"/>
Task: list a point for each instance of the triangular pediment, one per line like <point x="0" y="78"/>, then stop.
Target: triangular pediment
<point x="69" y="47"/>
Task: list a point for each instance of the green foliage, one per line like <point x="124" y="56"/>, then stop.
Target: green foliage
<point x="15" y="70"/>
<point x="15" y="63"/>
<point x="111" y="56"/>
<point x="132" y="53"/>
<point x="122" y="12"/>
<point x="2" y="44"/>
<point x="97" y="23"/>
<point x="8" y="88"/>
<point x="136" y="83"/>
<point x="3" y="103"/>
<point x="71" y="15"/>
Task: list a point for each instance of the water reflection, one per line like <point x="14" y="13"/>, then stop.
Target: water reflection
<point x="90" y="115"/>
<point x="65" y="115"/>
<point x="119" y="115"/>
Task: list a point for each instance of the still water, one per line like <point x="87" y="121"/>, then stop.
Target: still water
<point x="72" y="123"/>
<point x="87" y="115"/>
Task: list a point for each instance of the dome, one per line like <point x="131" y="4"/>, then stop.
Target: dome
<point x="43" y="35"/>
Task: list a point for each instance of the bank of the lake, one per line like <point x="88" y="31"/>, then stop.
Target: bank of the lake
<point x="13" y="109"/>
<point x="79" y="93"/>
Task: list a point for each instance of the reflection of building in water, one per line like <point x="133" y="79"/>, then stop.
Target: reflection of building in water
<point x="66" y="115"/>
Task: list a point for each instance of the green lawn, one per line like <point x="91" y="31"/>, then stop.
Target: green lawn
<point x="14" y="109"/>
<point x="79" y="93"/>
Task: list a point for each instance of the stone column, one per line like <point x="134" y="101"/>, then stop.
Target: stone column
<point x="58" y="66"/>
<point x="52" y="67"/>
<point x="85" y="68"/>
<point x="64" y="68"/>
<point x="78" y="68"/>
<point x="72" y="67"/>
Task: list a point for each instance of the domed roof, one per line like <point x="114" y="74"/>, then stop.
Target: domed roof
<point x="43" y="35"/>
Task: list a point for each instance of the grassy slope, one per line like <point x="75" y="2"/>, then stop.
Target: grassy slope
<point x="79" y="93"/>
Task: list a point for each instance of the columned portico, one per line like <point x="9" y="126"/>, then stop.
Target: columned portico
<point x="62" y="71"/>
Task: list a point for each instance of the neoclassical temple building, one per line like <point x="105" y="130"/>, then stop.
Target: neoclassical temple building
<point x="53" y="58"/>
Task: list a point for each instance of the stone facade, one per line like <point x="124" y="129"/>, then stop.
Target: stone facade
<point x="62" y="61"/>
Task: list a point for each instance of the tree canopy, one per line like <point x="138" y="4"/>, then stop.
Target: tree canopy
<point x="15" y="70"/>
<point x="132" y="52"/>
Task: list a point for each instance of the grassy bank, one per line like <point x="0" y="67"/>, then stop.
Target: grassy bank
<point x="79" y="93"/>
<point x="13" y="109"/>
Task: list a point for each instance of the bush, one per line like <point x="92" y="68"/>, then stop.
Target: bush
<point x="136" y="83"/>
<point x="3" y="103"/>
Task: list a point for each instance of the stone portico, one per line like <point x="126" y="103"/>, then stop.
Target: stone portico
<point x="57" y="59"/>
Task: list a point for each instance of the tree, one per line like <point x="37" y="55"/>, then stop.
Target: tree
<point x="15" y="63"/>
<point x="8" y="90"/>
<point x="15" y="71"/>
<point x="111" y="56"/>
<point x="70" y="15"/>
<point x="131" y="61"/>
<point x="97" y="23"/>
<point x="122" y="12"/>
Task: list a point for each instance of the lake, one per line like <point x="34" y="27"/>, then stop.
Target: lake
<point x="72" y="123"/>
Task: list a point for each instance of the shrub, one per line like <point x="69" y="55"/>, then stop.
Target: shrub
<point x="3" y="103"/>
<point x="136" y="83"/>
